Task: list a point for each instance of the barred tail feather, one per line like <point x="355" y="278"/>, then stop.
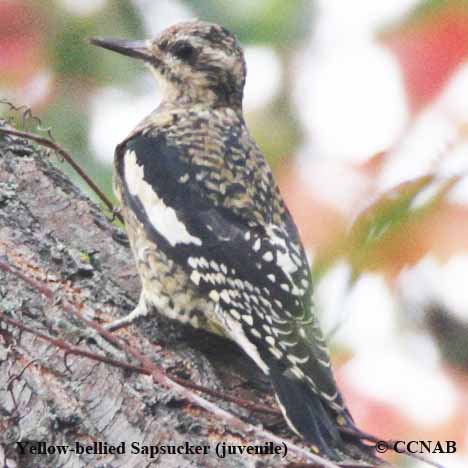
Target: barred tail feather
<point x="309" y="417"/>
<point x="305" y="414"/>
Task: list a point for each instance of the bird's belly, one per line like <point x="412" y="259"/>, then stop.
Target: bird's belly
<point x="167" y="287"/>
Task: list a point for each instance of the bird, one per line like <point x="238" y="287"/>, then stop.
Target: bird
<point x="214" y="243"/>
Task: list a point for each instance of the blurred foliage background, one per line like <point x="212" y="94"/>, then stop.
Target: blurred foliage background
<point x="362" y="110"/>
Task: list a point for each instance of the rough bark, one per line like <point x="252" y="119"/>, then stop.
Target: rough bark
<point x="52" y="231"/>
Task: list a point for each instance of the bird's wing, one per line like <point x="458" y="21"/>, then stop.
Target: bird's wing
<point x="257" y="274"/>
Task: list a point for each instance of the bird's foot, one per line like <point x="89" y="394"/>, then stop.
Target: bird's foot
<point x="139" y="311"/>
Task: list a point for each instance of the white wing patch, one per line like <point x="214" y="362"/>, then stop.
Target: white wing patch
<point x="162" y="217"/>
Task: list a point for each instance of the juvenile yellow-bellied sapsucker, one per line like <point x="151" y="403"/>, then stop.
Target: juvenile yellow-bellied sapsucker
<point x="214" y="243"/>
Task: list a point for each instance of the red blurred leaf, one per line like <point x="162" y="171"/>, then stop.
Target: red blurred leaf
<point x="21" y="49"/>
<point x="430" y="49"/>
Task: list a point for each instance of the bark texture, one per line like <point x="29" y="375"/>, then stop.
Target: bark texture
<point x="52" y="231"/>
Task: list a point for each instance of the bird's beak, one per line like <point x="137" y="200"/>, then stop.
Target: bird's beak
<point x="135" y="49"/>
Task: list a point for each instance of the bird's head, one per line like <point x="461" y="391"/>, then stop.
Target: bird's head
<point x="194" y="62"/>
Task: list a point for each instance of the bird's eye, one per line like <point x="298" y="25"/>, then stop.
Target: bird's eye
<point x="183" y="51"/>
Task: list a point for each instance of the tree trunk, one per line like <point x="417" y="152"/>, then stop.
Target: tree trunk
<point x="53" y="233"/>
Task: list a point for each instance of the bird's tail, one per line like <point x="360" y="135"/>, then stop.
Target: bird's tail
<point x="310" y="418"/>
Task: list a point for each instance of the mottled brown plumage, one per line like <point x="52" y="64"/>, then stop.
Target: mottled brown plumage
<point x="214" y="243"/>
